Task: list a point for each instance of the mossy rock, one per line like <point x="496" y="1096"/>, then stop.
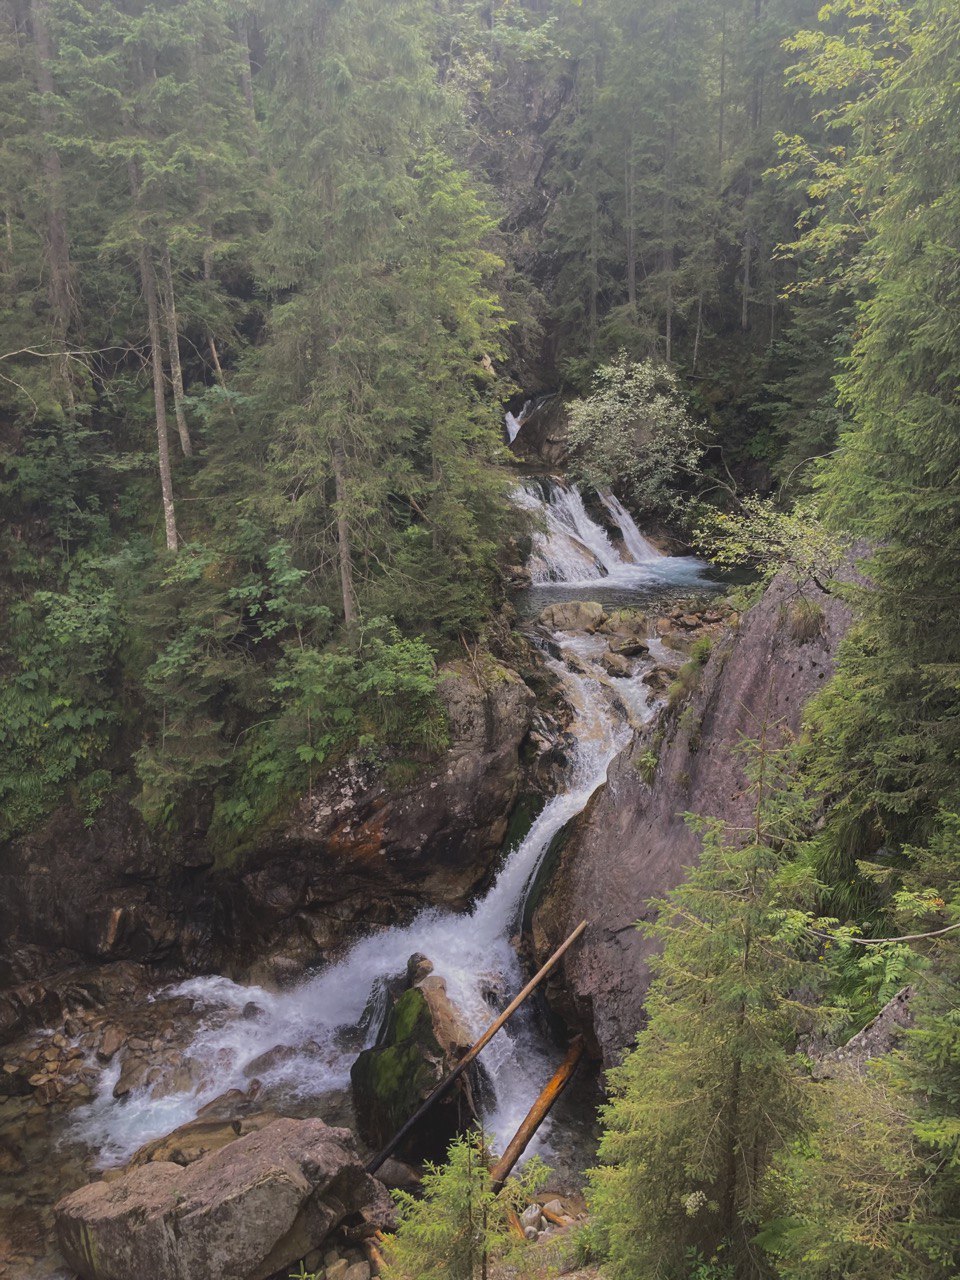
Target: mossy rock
<point x="414" y="1052"/>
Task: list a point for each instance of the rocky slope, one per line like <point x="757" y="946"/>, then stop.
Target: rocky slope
<point x="632" y="842"/>
<point x="361" y="850"/>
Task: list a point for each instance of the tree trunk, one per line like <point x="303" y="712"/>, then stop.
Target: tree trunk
<point x="60" y="290"/>
<point x="148" y="282"/>
<point x="344" y="549"/>
<point x="163" y="443"/>
<point x="173" y="350"/>
<point x="722" y="106"/>
<point x="745" y="300"/>
<point x="631" y="231"/>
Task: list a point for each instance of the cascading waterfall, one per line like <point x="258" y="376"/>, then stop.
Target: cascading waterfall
<point x="574" y="550"/>
<point x="317" y="1027"/>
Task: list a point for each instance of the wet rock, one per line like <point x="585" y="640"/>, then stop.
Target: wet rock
<point x="112" y="1040"/>
<point x="626" y="624"/>
<point x="631" y="844"/>
<point x="12" y="1160"/>
<point x="632" y="647"/>
<point x="573" y="615"/>
<point x="616" y="665"/>
<point x="193" y="1141"/>
<point x="247" y="1211"/>
<point x="422" y="1039"/>
<point x="418" y="968"/>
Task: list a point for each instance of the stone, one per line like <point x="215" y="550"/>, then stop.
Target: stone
<point x="418" y="968"/>
<point x="573" y="615"/>
<point x="197" y="1139"/>
<point x="245" y="1212"/>
<point x="359" y="1271"/>
<point x="616" y="665"/>
<point x="313" y="1261"/>
<point x="422" y="1039"/>
<point x="630" y="648"/>
<point x="398" y="1176"/>
<point x="338" y="1270"/>
<point x="112" y="1040"/>
<point x="531" y="1216"/>
<point x="626" y="624"/>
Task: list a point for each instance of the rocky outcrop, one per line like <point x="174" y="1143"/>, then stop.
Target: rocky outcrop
<point x="422" y="1040"/>
<point x="366" y="847"/>
<point x="632" y="842"/>
<point x="880" y="1036"/>
<point x="542" y="438"/>
<point x="243" y="1212"/>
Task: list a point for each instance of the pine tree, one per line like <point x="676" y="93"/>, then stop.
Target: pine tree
<point x="712" y="1089"/>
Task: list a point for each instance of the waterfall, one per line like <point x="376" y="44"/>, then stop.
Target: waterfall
<point x="318" y="1026"/>
<point x="641" y="551"/>
<point x="574" y="550"/>
<point x="471" y="951"/>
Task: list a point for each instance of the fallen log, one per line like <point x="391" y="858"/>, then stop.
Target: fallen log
<point x="537" y="1114"/>
<point x="445" y="1085"/>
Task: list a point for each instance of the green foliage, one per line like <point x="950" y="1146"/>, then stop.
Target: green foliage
<point x="763" y="536"/>
<point x="634" y="431"/>
<point x="460" y="1225"/>
<point x="57" y="659"/>
<point x="712" y="1089"/>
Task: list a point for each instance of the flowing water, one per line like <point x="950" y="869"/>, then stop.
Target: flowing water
<point x="316" y="1021"/>
<point x="300" y="1042"/>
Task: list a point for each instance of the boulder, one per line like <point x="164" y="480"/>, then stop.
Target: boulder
<point x="241" y="1213"/>
<point x="615" y="664"/>
<point x="421" y="1041"/>
<point x="625" y="623"/>
<point x="573" y="615"/>
<point x="193" y="1141"/>
<point x="630" y="647"/>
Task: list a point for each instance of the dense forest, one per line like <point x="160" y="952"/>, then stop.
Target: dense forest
<point x="272" y="273"/>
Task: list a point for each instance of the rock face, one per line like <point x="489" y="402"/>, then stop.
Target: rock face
<point x="421" y="1041"/>
<point x="542" y="439"/>
<point x="632" y="842"/>
<point x="240" y="1213"/>
<point x="879" y="1037"/>
<point x="363" y="849"/>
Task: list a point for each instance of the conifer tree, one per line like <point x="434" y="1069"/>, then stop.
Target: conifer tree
<point x="712" y="1089"/>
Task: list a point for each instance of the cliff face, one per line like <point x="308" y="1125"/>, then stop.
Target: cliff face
<point x="359" y="851"/>
<point x="632" y="842"/>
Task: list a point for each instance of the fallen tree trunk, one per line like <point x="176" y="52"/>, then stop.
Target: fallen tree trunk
<point x="537" y="1114"/>
<point x="445" y="1085"/>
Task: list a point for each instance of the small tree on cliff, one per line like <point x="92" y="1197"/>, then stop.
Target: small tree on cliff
<point x="713" y="1088"/>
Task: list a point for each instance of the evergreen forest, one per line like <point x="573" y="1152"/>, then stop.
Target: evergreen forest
<point x="272" y="272"/>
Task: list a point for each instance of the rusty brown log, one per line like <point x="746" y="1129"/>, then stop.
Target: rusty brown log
<point x="446" y="1085"/>
<point x="515" y="1225"/>
<point x="537" y="1114"/>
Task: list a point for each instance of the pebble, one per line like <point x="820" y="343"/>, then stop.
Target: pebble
<point x="359" y="1271"/>
<point x="338" y="1270"/>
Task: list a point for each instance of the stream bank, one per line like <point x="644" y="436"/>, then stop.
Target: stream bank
<point x="275" y="1040"/>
